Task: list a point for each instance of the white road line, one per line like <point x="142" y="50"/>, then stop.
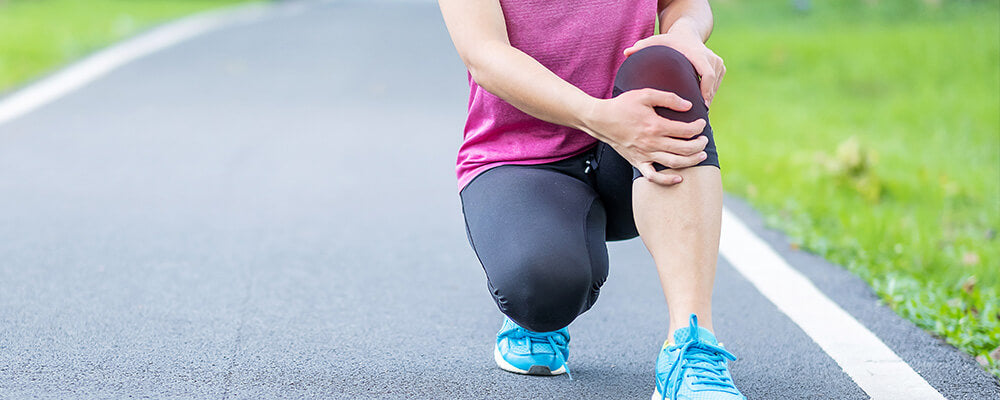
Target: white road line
<point x="105" y="61"/>
<point x="864" y="357"/>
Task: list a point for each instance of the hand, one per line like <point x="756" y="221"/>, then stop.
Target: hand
<point x="708" y="65"/>
<point x="630" y="125"/>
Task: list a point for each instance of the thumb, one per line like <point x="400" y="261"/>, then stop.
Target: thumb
<point x="639" y="45"/>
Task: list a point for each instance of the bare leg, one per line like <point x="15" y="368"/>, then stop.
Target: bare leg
<point x="680" y="227"/>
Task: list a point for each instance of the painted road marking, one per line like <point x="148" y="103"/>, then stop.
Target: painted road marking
<point x="873" y="366"/>
<point x="107" y="60"/>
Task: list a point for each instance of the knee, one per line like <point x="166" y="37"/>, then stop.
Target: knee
<point x="547" y="290"/>
<point x="657" y="67"/>
<point x="666" y="69"/>
<point x="663" y="68"/>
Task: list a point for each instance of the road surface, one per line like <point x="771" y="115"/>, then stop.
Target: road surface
<point x="269" y="210"/>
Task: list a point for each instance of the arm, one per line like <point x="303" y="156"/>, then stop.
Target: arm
<point x="479" y="32"/>
<point x="628" y="122"/>
<point x="685" y="25"/>
<point x="691" y="16"/>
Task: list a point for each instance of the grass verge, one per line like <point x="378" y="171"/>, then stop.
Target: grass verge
<point x="870" y="133"/>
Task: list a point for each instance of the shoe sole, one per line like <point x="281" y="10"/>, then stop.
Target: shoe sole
<point x="540" y="370"/>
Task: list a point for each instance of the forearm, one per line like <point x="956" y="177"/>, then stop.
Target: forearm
<point x="526" y="84"/>
<point x="686" y="17"/>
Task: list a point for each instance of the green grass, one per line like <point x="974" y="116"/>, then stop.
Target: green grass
<point x="869" y="131"/>
<point x="39" y="35"/>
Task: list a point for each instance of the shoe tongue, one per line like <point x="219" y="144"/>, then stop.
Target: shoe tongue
<point x="690" y="333"/>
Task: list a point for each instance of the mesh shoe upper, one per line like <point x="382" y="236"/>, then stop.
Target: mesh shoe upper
<point x="524" y="349"/>
<point x="695" y="367"/>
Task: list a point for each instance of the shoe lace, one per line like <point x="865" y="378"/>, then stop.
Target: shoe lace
<point x="706" y="363"/>
<point x="555" y="340"/>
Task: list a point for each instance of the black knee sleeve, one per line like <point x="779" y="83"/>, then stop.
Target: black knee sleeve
<point x="666" y="69"/>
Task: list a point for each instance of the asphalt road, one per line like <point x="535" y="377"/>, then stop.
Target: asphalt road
<point x="270" y="211"/>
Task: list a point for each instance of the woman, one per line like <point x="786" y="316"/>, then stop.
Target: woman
<point x="584" y="127"/>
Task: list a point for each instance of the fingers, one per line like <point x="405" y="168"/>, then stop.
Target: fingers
<point x="672" y="161"/>
<point x="676" y="161"/>
<point x="659" y="98"/>
<point x="721" y="68"/>
<point x="659" y="177"/>
<point x="711" y="69"/>
<point x="680" y="129"/>
<point x="681" y="147"/>
<point x="709" y="78"/>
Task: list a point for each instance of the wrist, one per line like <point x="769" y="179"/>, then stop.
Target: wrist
<point x="583" y="113"/>
<point x="685" y="27"/>
<point x="587" y="115"/>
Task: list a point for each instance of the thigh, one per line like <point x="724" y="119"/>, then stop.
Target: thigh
<point x="613" y="178"/>
<point x="528" y="217"/>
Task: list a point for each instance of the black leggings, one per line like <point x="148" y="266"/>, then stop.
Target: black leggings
<point x="540" y="230"/>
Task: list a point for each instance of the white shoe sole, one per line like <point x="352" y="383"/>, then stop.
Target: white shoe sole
<point x="535" y="369"/>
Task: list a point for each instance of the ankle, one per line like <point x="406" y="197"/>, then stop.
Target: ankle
<point x="704" y="321"/>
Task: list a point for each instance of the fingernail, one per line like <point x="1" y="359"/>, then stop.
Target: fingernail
<point x="703" y="155"/>
<point x="677" y="179"/>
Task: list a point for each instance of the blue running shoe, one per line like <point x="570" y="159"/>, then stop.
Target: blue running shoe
<point x="522" y="351"/>
<point x="694" y="368"/>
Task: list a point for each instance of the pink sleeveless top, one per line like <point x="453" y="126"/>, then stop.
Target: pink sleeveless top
<point x="581" y="41"/>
